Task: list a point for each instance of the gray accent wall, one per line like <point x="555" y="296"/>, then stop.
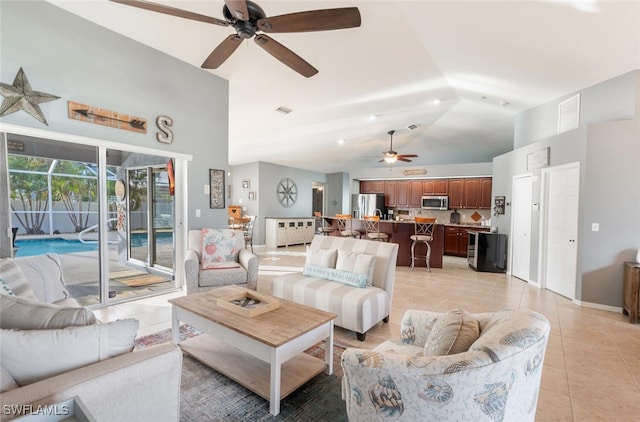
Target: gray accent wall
<point x="607" y="147"/>
<point x="65" y="55"/>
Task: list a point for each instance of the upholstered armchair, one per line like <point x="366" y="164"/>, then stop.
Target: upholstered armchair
<point x="217" y="257"/>
<point x="450" y="367"/>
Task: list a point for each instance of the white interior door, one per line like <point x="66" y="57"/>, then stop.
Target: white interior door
<point x="521" y="227"/>
<point x="562" y="188"/>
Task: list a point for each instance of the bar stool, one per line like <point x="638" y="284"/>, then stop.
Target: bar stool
<point x="372" y="227"/>
<point x="321" y="227"/>
<point x="345" y="226"/>
<point x="423" y="228"/>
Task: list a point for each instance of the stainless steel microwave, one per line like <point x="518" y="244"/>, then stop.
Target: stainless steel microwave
<point x="435" y="202"/>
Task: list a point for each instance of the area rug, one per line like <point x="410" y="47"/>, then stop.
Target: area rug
<point x="207" y="395"/>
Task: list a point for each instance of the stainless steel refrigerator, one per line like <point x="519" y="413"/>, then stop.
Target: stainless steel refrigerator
<point x="368" y="204"/>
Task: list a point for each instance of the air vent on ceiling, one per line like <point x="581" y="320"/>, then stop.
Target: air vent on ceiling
<point x="412" y="126"/>
<point x="283" y="110"/>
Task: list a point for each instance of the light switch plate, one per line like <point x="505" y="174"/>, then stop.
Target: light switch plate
<point x="595" y="227"/>
<point x="206" y="189"/>
<point x="197" y="212"/>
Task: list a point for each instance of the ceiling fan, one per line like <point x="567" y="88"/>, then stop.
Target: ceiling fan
<point x="392" y="156"/>
<point x="247" y="18"/>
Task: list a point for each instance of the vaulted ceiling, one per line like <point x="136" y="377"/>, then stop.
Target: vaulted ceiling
<point x="458" y="70"/>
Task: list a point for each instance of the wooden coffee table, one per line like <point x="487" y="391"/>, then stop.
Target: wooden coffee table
<point x="264" y="353"/>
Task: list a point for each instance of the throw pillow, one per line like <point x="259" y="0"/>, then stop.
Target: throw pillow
<point x="321" y="257"/>
<point x="6" y="380"/>
<point x="14" y="279"/>
<point x="44" y="274"/>
<point x="453" y="332"/>
<point x="358" y="263"/>
<point x="344" y="277"/>
<point x="219" y="245"/>
<point x="32" y="355"/>
<point x="4" y="288"/>
<point x="25" y="314"/>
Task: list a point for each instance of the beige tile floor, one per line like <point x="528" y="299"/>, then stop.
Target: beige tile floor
<point x="592" y="365"/>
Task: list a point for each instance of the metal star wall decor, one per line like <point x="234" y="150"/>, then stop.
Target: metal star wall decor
<point x="19" y="96"/>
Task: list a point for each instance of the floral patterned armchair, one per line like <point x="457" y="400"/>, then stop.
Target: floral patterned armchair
<point x="496" y="379"/>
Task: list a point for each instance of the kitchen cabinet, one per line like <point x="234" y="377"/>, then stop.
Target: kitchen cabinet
<point x="288" y="231"/>
<point x="402" y="193"/>
<point x="390" y="193"/>
<point x="486" y="184"/>
<point x="415" y="194"/>
<point x="435" y="187"/>
<point x="456" y="239"/>
<point x="372" y="186"/>
<point x="474" y="192"/>
<point x="456" y="191"/>
<point x="631" y="291"/>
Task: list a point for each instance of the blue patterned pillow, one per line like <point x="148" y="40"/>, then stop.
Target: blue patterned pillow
<point x="344" y="277"/>
<point x="4" y="288"/>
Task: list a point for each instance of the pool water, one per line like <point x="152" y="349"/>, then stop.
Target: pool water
<point x="33" y="247"/>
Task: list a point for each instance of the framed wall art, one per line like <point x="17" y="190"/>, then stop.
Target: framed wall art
<point x="245" y="183"/>
<point x="216" y="188"/>
<point x="252" y="195"/>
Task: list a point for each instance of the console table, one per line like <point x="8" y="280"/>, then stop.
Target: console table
<point x="631" y="290"/>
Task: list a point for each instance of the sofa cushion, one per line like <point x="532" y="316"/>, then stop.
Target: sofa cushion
<point x="452" y="333"/>
<point x="220" y="265"/>
<point x="220" y="245"/>
<point x="4" y="288"/>
<point x="356" y="262"/>
<point x="32" y="355"/>
<point x="6" y="380"/>
<point x="44" y="275"/>
<point x="14" y="279"/>
<point x="332" y="274"/>
<point x="222" y="277"/>
<point x="321" y="257"/>
<point x="25" y="314"/>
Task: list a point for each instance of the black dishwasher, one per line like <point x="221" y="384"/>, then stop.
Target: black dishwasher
<point x="487" y="252"/>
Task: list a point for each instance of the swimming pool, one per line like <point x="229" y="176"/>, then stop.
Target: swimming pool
<point x="33" y="247"/>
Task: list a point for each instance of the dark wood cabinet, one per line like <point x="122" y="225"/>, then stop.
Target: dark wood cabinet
<point x="402" y="193"/>
<point x="631" y="290"/>
<point x="456" y="193"/>
<point x="372" y="186"/>
<point x="486" y="184"/>
<point x="455" y="241"/>
<point x="438" y="187"/>
<point x="415" y="194"/>
<point x="471" y="188"/>
<point x="390" y="193"/>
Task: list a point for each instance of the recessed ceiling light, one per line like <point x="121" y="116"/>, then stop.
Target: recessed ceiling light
<point x="341" y="141"/>
<point x="372" y="117"/>
<point x="283" y="110"/>
<point x="436" y="101"/>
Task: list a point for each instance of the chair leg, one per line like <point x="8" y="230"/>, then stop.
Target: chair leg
<point x="428" y="256"/>
<point x="413" y="255"/>
<point x="361" y="336"/>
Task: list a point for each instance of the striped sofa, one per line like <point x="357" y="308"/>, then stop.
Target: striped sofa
<point x="357" y="309"/>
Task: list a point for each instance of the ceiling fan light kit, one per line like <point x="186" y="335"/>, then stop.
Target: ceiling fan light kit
<point x="247" y="18"/>
<point x="392" y="156"/>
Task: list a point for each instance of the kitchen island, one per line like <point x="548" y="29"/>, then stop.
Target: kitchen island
<point x="399" y="232"/>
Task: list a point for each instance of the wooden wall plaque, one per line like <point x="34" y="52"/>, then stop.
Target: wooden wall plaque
<point x="100" y="116"/>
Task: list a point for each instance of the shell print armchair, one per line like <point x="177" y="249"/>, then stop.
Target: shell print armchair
<point x="491" y="371"/>
<point x="217" y="257"/>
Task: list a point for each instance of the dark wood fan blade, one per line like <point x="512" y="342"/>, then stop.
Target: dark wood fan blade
<point x="401" y="158"/>
<point x="222" y="52"/>
<point x="238" y="8"/>
<point x="408" y="155"/>
<point x="285" y="55"/>
<point x="312" y="20"/>
<point x="167" y="10"/>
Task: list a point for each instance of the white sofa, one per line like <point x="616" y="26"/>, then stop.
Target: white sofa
<point x="141" y="385"/>
<point x="491" y="375"/>
<point x="357" y="309"/>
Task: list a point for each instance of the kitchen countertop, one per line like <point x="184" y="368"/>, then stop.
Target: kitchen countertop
<point x="407" y="221"/>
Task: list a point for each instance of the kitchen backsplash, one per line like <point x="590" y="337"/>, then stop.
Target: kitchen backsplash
<point x="444" y="217"/>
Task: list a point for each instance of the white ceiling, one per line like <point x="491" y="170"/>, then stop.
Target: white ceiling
<point x="471" y="55"/>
